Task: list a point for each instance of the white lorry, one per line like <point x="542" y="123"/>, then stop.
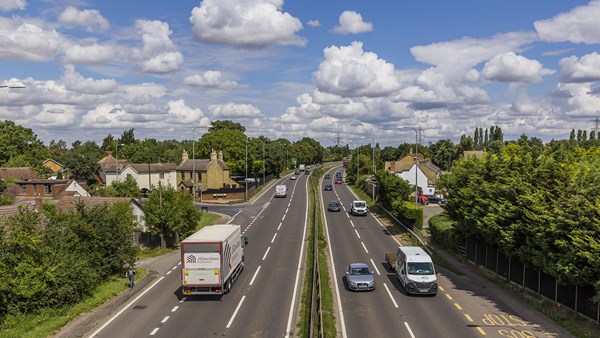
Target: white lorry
<point x="358" y="208"/>
<point x="414" y="269"/>
<point x="281" y="190"/>
<point x="212" y="259"/>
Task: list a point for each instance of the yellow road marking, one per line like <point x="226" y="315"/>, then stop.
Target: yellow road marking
<point x="448" y="296"/>
<point x="441" y="288"/>
<point x="468" y="317"/>
<point x="457" y="306"/>
<point x="481" y="331"/>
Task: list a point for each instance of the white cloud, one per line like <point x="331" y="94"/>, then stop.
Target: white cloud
<point x="163" y="63"/>
<point x="178" y="112"/>
<point x="55" y="115"/>
<point x="580" y="25"/>
<point x="349" y="71"/>
<point x="581" y="102"/>
<point x="352" y="23"/>
<point x="245" y="23"/>
<point x="104" y="115"/>
<point x="21" y="40"/>
<point x="509" y="67"/>
<point x="209" y="79"/>
<point x="91" y="54"/>
<point x="585" y="69"/>
<point x="88" y="18"/>
<point x="313" y="23"/>
<point x="143" y="92"/>
<point x="9" y="5"/>
<point x="232" y="110"/>
<point x="76" y="82"/>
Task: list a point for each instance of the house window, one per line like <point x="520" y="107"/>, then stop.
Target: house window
<point x="46" y="190"/>
<point x="129" y="176"/>
<point x="161" y="176"/>
<point x="183" y="175"/>
<point x="22" y="189"/>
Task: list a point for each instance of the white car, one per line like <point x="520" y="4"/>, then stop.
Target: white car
<point x="293" y="177"/>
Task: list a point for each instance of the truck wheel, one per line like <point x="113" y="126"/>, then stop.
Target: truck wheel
<point x="227" y="286"/>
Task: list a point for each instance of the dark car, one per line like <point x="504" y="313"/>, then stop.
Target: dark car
<point x="307" y="172"/>
<point x="334" y="206"/>
<point x="359" y="277"/>
<point x="327" y="176"/>
<point x="339" y="181"/>
<point x="328" y="187"/>
<point x="338" y="175"/>
<point x="297" y="172"/>
<point x="436" y="199"/>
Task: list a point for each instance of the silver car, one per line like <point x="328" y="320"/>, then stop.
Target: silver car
<point x="359" y="277"/>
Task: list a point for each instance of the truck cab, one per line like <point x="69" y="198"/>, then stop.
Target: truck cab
<point x="358" y="208"/>
<point x="415" y="270"/>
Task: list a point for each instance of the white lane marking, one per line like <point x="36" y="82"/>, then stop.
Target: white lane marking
<point x="267" y="252"/>
<point x="177" y="264"/>
<point x="175" y="308"/>
<point x="364" y="247"/>
<point x="175" y="267"/>
<point x="280" y="223"/>
<point x="169" y="272"/>
<point x="234" y="216"/>
<point x="273" y="240"/>
<point x="255" y="274"/>
<point x="391" y="297"/>
<point x="154" y="331"/>
<point x="351" y="222"/>
<point x="125" y="308"/>
<point x="165" y="319"/>
<point x="283" y="218"/>
<point x="409" y="330"/>
<point x="299" y="268"/>
<point x="235" y="312"/>
<point x="286" y="210"/>
<point x="357" y="233"/>
<point x="375" y="266"/>
<point x="183" y="299"/>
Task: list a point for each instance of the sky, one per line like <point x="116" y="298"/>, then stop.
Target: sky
<point x="352" y="71"/>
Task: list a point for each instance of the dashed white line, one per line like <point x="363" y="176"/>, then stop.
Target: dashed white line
<point x="165" y="319"/>
<point x="267" y="252"/>
<point x="154" y="331"/>
<point x="280" y="223"/>
<point x="169" y="272"/>
<point x="286" y="210"/>
<point x="183" y="299"/>
<point x="409" y="330"/>
<point x="352" y="223"/>
<point x="283" y="218"/>
<point x="175" y="308"/>
<point x="273" y="240"/>
<point x="255" y="274"/>
<point x="375" y="266"/>
<point x="390" y="294"/>
<point x="364" y="247"/>
<point x="357" y="233"/>
<point x="236" y="311"/>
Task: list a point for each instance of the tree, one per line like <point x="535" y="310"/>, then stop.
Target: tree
<point x="128" y="137"/>
<point x="233" y="145"/>
<point x="16" y="140"/>
<point x="108" y="143"/>
<point x="82" y="167"/>
<point x="226" y="125"/>
<point x="443" y="153"/>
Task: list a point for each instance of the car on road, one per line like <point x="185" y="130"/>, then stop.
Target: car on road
<point x="334" y="206"/>
<point x="359" y="277"/>
<point x="436" y="199"/>
<point x="293" y="177"/>
<point x="338" y="175"/>
<point x="339" y="181"/>
<point x="297" y="172"/>
<point x="327" y="176"/>
<point x="358" y="208"/>
<point x="328" y="187"/>
<point x="423" y="200"/>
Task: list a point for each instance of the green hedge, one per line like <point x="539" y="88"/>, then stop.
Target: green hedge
<point x="442" y="231"/>
<point x="405" y="211"/>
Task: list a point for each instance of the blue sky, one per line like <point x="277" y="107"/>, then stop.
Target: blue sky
<point x="290" y="69"/>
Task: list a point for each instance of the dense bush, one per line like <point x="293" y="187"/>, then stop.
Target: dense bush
<point x="442" y="232"/>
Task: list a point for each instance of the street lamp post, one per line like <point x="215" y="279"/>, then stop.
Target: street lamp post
<point x="194" y="164"/>
<point x="117" y="161"/>
<point x="246" y="179"/>
<point x="374" y="167"/>
<point x="264" y="178"/>
<point x="416" y="162"/>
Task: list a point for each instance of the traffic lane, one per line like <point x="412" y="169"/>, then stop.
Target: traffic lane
<point x="494" y="311"/>
<point x="362" y="314"/>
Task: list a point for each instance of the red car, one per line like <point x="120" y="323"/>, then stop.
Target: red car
<point x="423" y="200"/>
<point x="339" y="181"/>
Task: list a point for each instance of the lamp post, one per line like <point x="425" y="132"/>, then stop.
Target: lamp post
<point x="194" y="163"/>
<point x="117" y="161"/>
<point x="416" y="162"/>
<point x="264" y="178"/>
<point x="374" y="167"/>
<point x="246" y="179"/>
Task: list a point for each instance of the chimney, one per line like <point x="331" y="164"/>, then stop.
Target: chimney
<point x="220" y="155"/>
<point x="213" y="156"/>
<point x="184" y="156"/>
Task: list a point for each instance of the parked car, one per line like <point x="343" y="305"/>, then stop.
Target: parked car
<point x="359" y="277"/>
<point x="327" y="176"/>
<point x="334" y="206"/>
<point x="293" y="177"/>
<point x="328" y="187"/>
<point x="339" y="181"/>
<point x="423" y="200"/>
<point x="436" y="199"/>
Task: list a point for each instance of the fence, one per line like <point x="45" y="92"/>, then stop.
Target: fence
<point x="578" y="298"/>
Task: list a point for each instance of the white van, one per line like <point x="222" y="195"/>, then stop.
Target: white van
<point x="358" y="208"/>
<point x="281" y="190"/>
<point x="415" y="270"/>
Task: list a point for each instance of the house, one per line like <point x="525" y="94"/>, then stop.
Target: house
<point x="148" y="175"/>
<point x="108" y="166"/>
<point x="19" y="173"/>
<point x="209" y="175"/>
<point x="423" y="171"/>
<point x="53" y="167"/>
<point x="29" y="190"/>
